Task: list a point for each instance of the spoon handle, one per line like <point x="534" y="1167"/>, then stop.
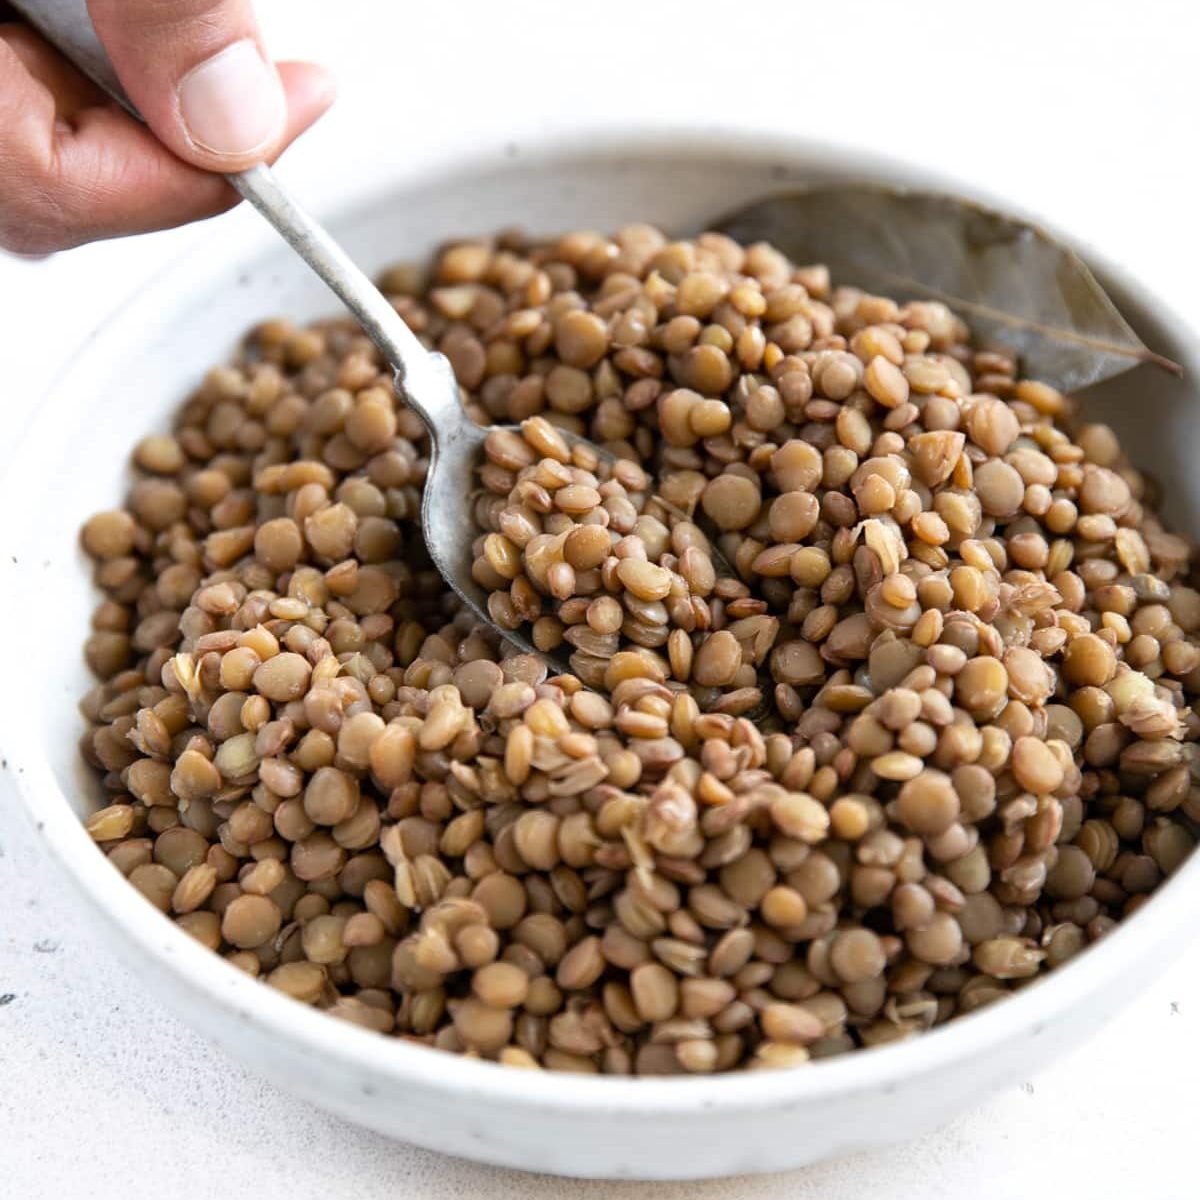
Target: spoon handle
<point x="67" y="25"/>
<point x="380" y="321"/>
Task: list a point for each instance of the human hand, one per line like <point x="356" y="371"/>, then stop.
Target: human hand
<point x="75" y="167"/>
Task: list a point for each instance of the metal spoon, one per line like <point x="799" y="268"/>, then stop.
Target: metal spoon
<point x="424" y="379"/>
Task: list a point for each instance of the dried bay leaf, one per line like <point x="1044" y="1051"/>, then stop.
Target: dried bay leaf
<point x="1011" y="281"/>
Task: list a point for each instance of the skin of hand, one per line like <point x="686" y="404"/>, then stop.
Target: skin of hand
<point x="75" y="168"/>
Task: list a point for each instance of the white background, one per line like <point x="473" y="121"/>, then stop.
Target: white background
<point x="1084" y="111"/>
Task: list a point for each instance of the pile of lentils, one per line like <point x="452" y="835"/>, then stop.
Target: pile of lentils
<point x="884" y="668"/>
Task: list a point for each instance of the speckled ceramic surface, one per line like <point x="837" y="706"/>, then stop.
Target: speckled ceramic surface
<point x="129" y="379"/>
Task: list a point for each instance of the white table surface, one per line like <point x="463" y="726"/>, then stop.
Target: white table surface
<point x="1083" y="112"/>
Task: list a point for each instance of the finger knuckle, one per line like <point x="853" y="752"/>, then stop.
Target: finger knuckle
<point x="33" y="243"/>
<point x="30" y="227"/>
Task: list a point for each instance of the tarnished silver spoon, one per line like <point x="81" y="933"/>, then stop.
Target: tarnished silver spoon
<point x="424" y="379"/>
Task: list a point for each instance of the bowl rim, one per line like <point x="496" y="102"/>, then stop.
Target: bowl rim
<point x="305" y="1032"/>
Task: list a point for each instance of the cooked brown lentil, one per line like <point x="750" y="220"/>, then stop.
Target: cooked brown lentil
<point x="925" y="733"/>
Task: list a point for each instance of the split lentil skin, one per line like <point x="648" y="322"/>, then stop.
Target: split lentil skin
<point x="926" y="733"/>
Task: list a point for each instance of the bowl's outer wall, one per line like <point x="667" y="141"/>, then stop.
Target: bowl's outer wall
<point x="129" y="380"/>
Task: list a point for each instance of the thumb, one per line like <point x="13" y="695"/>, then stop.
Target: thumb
<point x="197" y="72"/>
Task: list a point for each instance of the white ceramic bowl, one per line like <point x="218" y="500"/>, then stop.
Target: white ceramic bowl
<point x="127" y="380"/>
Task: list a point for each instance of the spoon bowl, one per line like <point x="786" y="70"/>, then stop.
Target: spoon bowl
<point x="448" y="503"/>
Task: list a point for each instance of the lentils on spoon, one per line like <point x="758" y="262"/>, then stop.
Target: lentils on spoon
<point x="621" y="568"/>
